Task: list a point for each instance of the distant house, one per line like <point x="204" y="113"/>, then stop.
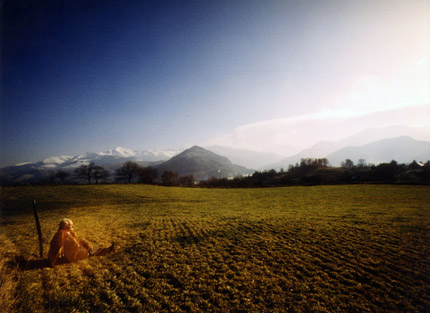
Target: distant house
<point x="415" y="165"/>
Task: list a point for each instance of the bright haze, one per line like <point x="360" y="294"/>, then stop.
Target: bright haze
<point x="273" y="76"/>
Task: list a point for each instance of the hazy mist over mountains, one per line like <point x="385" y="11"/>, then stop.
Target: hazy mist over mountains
<point x="248" y="158"/>
<point x="368" y="136"/>
<point x="401" y="149"/>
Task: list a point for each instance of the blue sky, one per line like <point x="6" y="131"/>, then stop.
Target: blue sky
<point x="80" y="76"/>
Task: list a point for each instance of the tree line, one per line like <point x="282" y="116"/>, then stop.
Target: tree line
<point x="309" y="171"/>
<point x="128" y="172"/>
<point x="318" y="172"/>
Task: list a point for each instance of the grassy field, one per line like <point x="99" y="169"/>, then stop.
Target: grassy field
<point x="363" y="248"/>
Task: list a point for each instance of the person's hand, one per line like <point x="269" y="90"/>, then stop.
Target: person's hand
<point x="87" y="246"/>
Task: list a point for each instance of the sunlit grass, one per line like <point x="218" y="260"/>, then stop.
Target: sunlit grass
<point x="329" y="248"/>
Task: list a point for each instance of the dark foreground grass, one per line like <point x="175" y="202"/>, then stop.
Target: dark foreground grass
<point x="297" y="249"/>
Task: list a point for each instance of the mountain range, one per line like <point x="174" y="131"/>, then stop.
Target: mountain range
<point x="402" y="149"/>
<point x="112" y="159"/>
<point x="196" y="161"/>
<point x="372" y="145"/>
<point x="329" y="149"/>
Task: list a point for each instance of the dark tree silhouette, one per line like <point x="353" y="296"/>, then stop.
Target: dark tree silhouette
<point x="323" y="162"/>
<point x="186" y="180"/>
<point x="85" y="171"/>
<point x="169" y="178"/>
<point x="100" y="173"/>
<point x="317" y="172"/>
<point x="414" y="166"/>
<point x="147" y="175"/>
<point x="386" y="172"/>
<point x="127" y="171"/>
<point x="361" y="163"/>
<point x="347" y="163"/>
<point x="62" y="175"/>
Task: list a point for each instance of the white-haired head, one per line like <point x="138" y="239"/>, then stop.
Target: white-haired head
<point x="66" y="223"/>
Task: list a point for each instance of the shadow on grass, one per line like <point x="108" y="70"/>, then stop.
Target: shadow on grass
<point x="188" y="240"/>
<point x="234" y="234"/>
<point x="27" y="264"/>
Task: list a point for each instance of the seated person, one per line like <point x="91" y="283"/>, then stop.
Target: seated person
<point x="66" y="243"/>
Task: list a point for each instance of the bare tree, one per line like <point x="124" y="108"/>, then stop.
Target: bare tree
<point x="361" y="163"/>
<point x="127" y="171"/>
<point x="62" y="175"/>
<point x="347" y="163"/>
<point x="169" y="178"/>
<point x="85" y="171"/>
<point x="324" y="162"/>
<point x="100" y="173"/>
<point x="147" y="175"/>
<point x="186" y="180"/>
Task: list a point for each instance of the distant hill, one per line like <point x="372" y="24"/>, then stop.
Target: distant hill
<point x="368" y="136"/>
<point x="401" y="149"/>
<point x="24" y="174"/>
<point x="202" y="164"/>
<point x="248" y="158"/>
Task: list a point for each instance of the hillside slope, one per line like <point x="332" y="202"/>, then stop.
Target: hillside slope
<point x="202" y="164"/>
<point x="401" y="149"/>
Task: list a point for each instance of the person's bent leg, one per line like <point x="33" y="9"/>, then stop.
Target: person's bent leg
<point x="103" y="251"/>
<point x="82" y="254"/>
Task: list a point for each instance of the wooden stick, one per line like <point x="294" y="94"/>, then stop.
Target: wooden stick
<point x="39" y="231"/>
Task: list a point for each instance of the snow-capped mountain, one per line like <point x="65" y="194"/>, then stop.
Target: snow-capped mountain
<point x="53" y="162"/>
<point x="103" y="158"/>
<point x="120" y="152"/>
<point x="156" y="155"/>
<point x="110" y="159"/>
